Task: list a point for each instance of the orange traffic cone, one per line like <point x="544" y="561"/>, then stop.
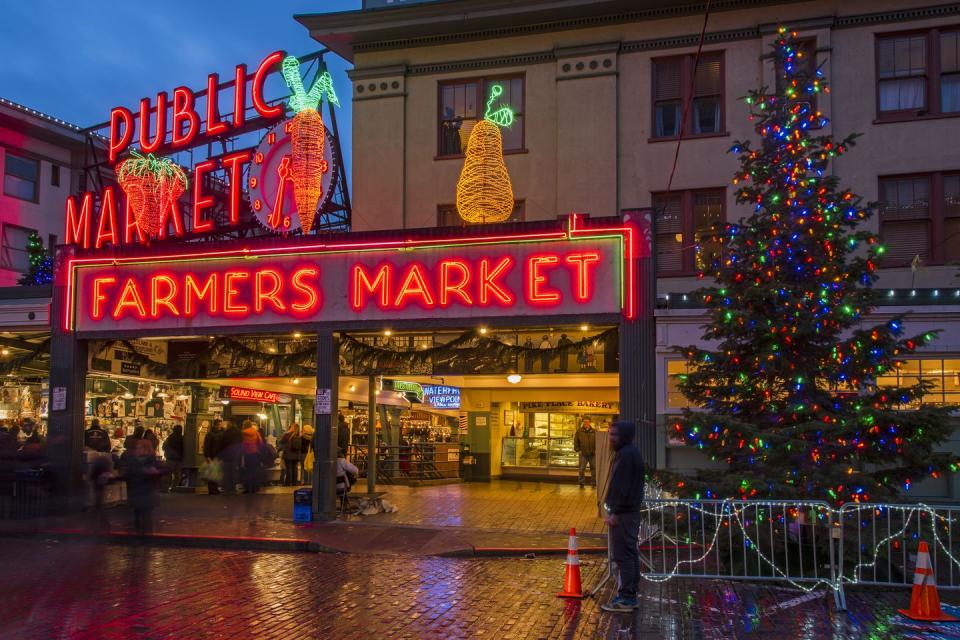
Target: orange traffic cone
<point x="571" y="575"/>
<point x="924" y="601"/>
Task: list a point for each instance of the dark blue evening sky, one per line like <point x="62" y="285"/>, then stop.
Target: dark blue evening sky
<point x="77" y="60"/>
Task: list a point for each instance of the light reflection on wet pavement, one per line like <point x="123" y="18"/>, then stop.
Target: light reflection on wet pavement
<point x="76" y="590"/>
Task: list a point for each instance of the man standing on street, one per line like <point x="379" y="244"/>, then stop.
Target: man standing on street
<point x="585" y="443"/>
<point x="623" y="502"/>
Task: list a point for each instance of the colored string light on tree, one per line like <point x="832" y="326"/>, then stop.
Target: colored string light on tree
<point x="152" y="186"/>
<point x="484" y="190"/>
<point x="307" y="138"/>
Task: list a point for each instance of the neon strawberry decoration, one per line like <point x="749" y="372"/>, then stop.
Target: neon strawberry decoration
<point x="152" y="185"/>
<point x="307" y="138"/>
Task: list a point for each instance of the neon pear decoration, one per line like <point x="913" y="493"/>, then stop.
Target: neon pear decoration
<point x="484" y="191"/>
<point x="152" y="186"/>
<point x="307" y="139"/>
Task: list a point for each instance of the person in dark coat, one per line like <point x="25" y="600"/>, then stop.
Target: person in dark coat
<point x="212" y="443"/>
<point x="150" y="436"/>
<point x="291" y="448"/>
<point x="585" y="444"/>
<point x="623" y="503"/>
<point x="142" y="472"/>
<point x="173" y="454"/>
<point x="230" y="454"/>
<point x="343" y="434"/>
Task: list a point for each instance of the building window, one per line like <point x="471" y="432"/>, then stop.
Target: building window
<point x="447" y="215"/>
<point x="20" y="177"/>
<point x="463" y="102"/>
<point x="943" y="374"/>
<point x="51" y="242"/>
<point x="54" y="175"/>
<point x="672" y="89"/>
<point x="15" y="254"/>
<point x="920" y="216"/>
<point x="685" y="224"/>
<point x="675" y="399"/>
<point x="919" y="73"/>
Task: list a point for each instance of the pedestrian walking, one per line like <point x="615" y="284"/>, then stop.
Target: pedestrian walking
<point x="252" y="448"/>
<point x="231" y="454"/>
<point x="212" y="444"/>
<point x="623" y="503"/>
<point x="585" y="444"/>
<point x="173" y="454"/>
<point x="142" y="472"/>
<point x="291" y="449"/>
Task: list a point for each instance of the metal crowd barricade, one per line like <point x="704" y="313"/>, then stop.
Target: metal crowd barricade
<point x="400" y="463"/>
<point x="781" y="540"/>
<point x="880" y="541"/>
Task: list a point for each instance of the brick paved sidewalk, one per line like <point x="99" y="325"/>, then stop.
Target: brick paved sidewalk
<point x="56" y="590"/>
<point x="450" y="519"/>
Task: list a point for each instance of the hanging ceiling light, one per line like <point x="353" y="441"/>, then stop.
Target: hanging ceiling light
<point x="514" y="378"/>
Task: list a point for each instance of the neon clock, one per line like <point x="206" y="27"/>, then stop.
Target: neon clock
<point x="270" y="184"/>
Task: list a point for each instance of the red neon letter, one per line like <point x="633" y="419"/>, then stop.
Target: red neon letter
<point x="535" y="279"/>
<point x="239" y="95"/>
<point x="261" y="293"/>
<point x="311" y="291"/>
<point x="78" y="229"/>
<point x="446" y="287"/>
<point x="99" y="296"/>
<point x="415" y="285"/>
<point x="201" y="202"/>
<point x="256" y="92"/>
<point x="582" y="292"/>
<point x="191" y="290"/>
<point x="118" y="141"/>
<point x="488" y="284"/>
<point x="130" y="225"/>
<point x="230" y="294"/>
<point x="172" y="214"/>
<point x="157" y="300"/>
<point x="232" y="164"/>
<point x="130" y="297"/>
<point x="362" y="283"/>
<point x="214" y="124"/>
<point x="183" y="112"/>
<point x="108" y="218"/>
<point x="161" y="133"/>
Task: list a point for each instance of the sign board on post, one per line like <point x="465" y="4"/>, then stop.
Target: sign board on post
<point x="59" y="402"/>
<point x="324" y="398"/>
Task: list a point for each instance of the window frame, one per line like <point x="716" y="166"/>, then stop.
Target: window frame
<point x="5" y="258"/>
<point x="932" y="75"/>
<point x="36" y="183"/>
<point x="688" y="257"/>
<point x="482" y="84"/>
<point x="686" y="94"/>
<point x="936" y="209"/>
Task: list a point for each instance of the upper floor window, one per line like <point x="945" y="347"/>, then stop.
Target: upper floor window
<point x="20" y="177"/>
<point x="807" y="61"/>
<point x="463" y="102"/>
<point x="920" y="216"/>
<point x="672" y="89"/>
<point x="54" y="175"/>
<point x="685" y="224"/>
<point x="919" y="73"/>
<point x="943" y="376"/>
<point x="15" y="255"/>
<point x="447" y="215"/>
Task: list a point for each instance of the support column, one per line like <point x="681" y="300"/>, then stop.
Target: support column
<point x="325" y="429"/>
<point x="68" y="375"/>
<point x="371" y="434"/>
<point x="638" y="364"/>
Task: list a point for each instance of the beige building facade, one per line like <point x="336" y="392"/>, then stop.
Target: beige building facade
<point x="599" y="89"/>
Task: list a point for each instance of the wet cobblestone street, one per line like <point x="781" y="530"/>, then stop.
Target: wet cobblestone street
<point x="73" y="590"/>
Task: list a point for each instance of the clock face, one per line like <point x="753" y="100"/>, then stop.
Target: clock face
<point x="270" y="186"/>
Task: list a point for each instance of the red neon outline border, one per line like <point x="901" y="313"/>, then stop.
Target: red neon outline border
<point x="627" y="233"/>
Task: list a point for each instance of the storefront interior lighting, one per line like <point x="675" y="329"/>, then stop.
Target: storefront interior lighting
<point x="224" y="401"/>
<point x="262" y="416"/>
<point x="296" y="381"/>
<point x="5" y="352"/>
<point x="387" y="332"/>
<point x="584" y="327"/>
<point x="483" y="332"/>
<point x="297" y="335"/>
<point x="352" y="387"/>
<point x="514" y="378"/>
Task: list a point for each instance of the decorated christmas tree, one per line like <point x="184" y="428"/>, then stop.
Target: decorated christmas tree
<point x="41" y="263"/>
<point x="788" y="401"/>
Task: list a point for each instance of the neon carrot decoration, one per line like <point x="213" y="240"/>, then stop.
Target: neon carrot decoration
<point x="152" y="185"/>
<point x="484" y="191"/>
<point x="307" y="138"/>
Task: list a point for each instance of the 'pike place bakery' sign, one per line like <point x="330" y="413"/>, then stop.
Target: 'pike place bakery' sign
<point x="575" y="269"/>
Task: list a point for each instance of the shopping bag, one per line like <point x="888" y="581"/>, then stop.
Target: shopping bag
<point x="308" y="461"/>
<point x="212" y="471"/>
